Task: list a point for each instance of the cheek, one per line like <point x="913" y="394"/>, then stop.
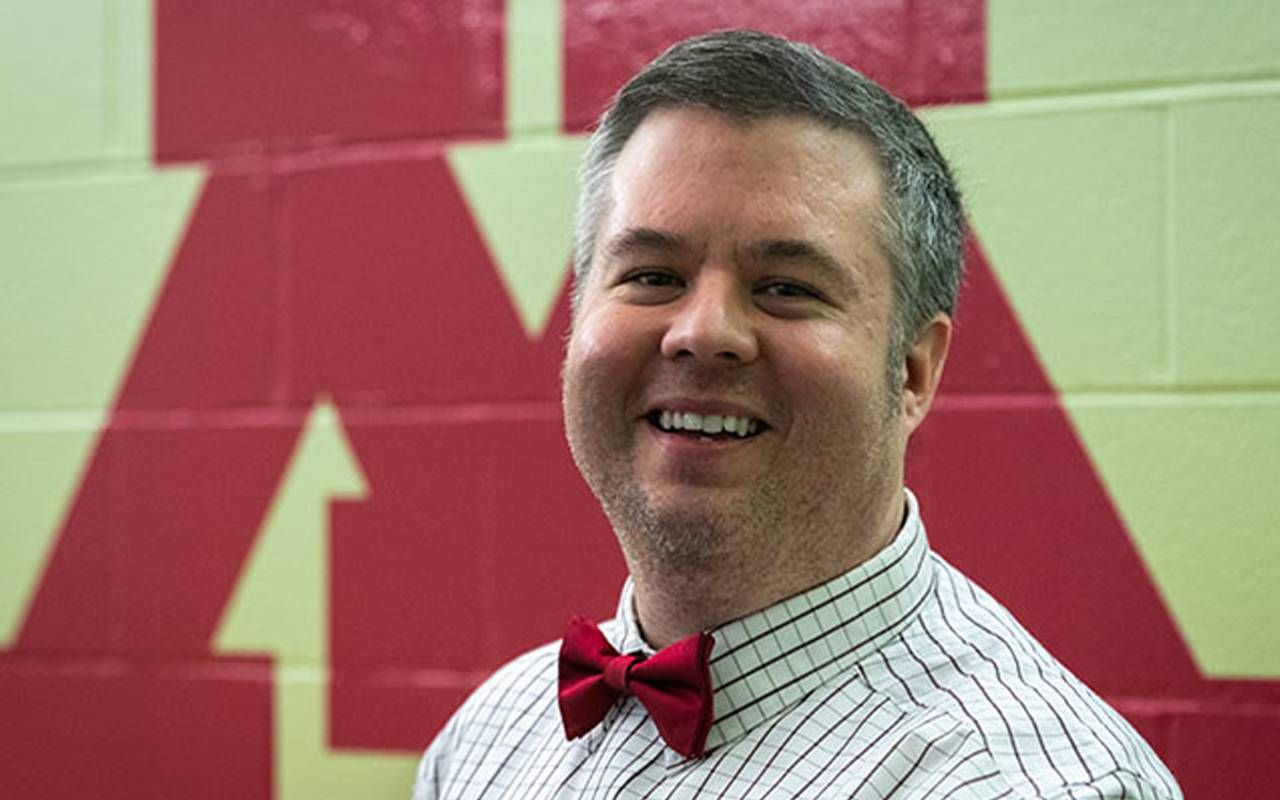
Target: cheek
<point x="604" y="346"/>
<point x="831" y="372"/>
<point x="585" y="341"/>
<point x="601" y="376"/>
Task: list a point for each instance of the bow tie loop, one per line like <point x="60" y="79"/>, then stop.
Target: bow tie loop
<point x="673" y="685"/>
<point x="617" y="672"/>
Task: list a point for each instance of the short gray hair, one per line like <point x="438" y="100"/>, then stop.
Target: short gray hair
<point x="751" y="75"/>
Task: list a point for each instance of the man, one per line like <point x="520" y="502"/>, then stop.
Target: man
<point x="768" y="252"/>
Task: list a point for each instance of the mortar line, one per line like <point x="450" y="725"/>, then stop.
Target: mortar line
<point x="1237" y="78"/>
<point x="111" y="76"/>
<point x="1170" y="272"/>
<point x="285" y="264"/>
<point x="1121" y="99"/>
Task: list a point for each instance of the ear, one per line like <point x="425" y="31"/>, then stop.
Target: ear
<point x="923" y="369"/>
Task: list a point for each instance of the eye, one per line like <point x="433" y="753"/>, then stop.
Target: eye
<point x="648" y="286"/>
<point x="652" y="278"/>
<point x="788" y="290"/>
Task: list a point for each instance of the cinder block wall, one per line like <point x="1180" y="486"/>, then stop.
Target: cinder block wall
<point x="283" y="296"/>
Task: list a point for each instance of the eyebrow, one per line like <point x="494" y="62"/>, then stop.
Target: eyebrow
<point x="640" y="241"/>
<point x="801" y="250"/>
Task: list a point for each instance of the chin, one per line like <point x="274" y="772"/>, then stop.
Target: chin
<point x="686" y="533"/>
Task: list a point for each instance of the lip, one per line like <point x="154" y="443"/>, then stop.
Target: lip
<point x="686" y="447"/>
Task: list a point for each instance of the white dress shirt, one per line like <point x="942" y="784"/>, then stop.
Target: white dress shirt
<point x="900" y="678"/>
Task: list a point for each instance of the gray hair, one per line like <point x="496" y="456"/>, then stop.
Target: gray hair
<point x="751" y="75"/>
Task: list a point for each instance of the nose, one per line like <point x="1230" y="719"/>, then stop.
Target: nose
<point x="712" y="321"/>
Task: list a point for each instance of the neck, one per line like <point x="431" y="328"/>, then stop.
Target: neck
<point x="677" y="598"/>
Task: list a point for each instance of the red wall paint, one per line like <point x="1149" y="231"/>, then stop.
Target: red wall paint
<point x="924" y="52"/>
<point x="331" y="252"/>
<point x="250" y="78"/>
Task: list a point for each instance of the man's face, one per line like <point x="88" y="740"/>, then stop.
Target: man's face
<point x="725" y="384"/>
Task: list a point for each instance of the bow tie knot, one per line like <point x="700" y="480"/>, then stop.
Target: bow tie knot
<point x="673" y="685"/>
<point x="617" y="672"/>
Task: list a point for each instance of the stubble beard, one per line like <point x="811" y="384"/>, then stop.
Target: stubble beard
<point x="778" y="530"/>
<point x="660" y="536"/>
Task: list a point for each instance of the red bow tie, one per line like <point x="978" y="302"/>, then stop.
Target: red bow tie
<point x="674" y="685"/>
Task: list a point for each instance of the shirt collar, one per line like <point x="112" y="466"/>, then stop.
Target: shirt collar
<point x="766" y="662"/>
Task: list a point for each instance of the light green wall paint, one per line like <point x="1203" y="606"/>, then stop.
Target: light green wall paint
<point x="522" y="191"/>
<point x="83" y="259"/>
<point x="53" y="88"/>
<point x="130" y="101"/>
<point x="82" y="253"/>
<point x="1052" y="46"/>
<point x="75" y="83"/>
<point x="534" y="64"/>
<point x="1069" y="205"/>
<point x="1226" y="241"/>
<point x="1194" y="477"/>
<point x="522" y="194"/>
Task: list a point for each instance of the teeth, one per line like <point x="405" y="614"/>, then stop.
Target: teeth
<point x="707" y="423"/>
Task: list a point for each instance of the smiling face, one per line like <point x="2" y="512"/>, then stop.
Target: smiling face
<point x="725" y="385"/>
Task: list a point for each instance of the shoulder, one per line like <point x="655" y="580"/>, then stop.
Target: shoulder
<point x="966" y="656"/>
<point x="512" y="715"/>
<point x="518" y="688"/>
<point x="521" y="690"/>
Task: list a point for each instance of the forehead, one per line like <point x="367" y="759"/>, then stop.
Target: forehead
<point x="692" y="166"/>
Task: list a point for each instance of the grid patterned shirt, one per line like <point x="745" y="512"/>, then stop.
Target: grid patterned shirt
<point x="900" y="678"/>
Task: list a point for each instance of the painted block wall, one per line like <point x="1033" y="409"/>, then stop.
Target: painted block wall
<point x="283" y="299"/>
